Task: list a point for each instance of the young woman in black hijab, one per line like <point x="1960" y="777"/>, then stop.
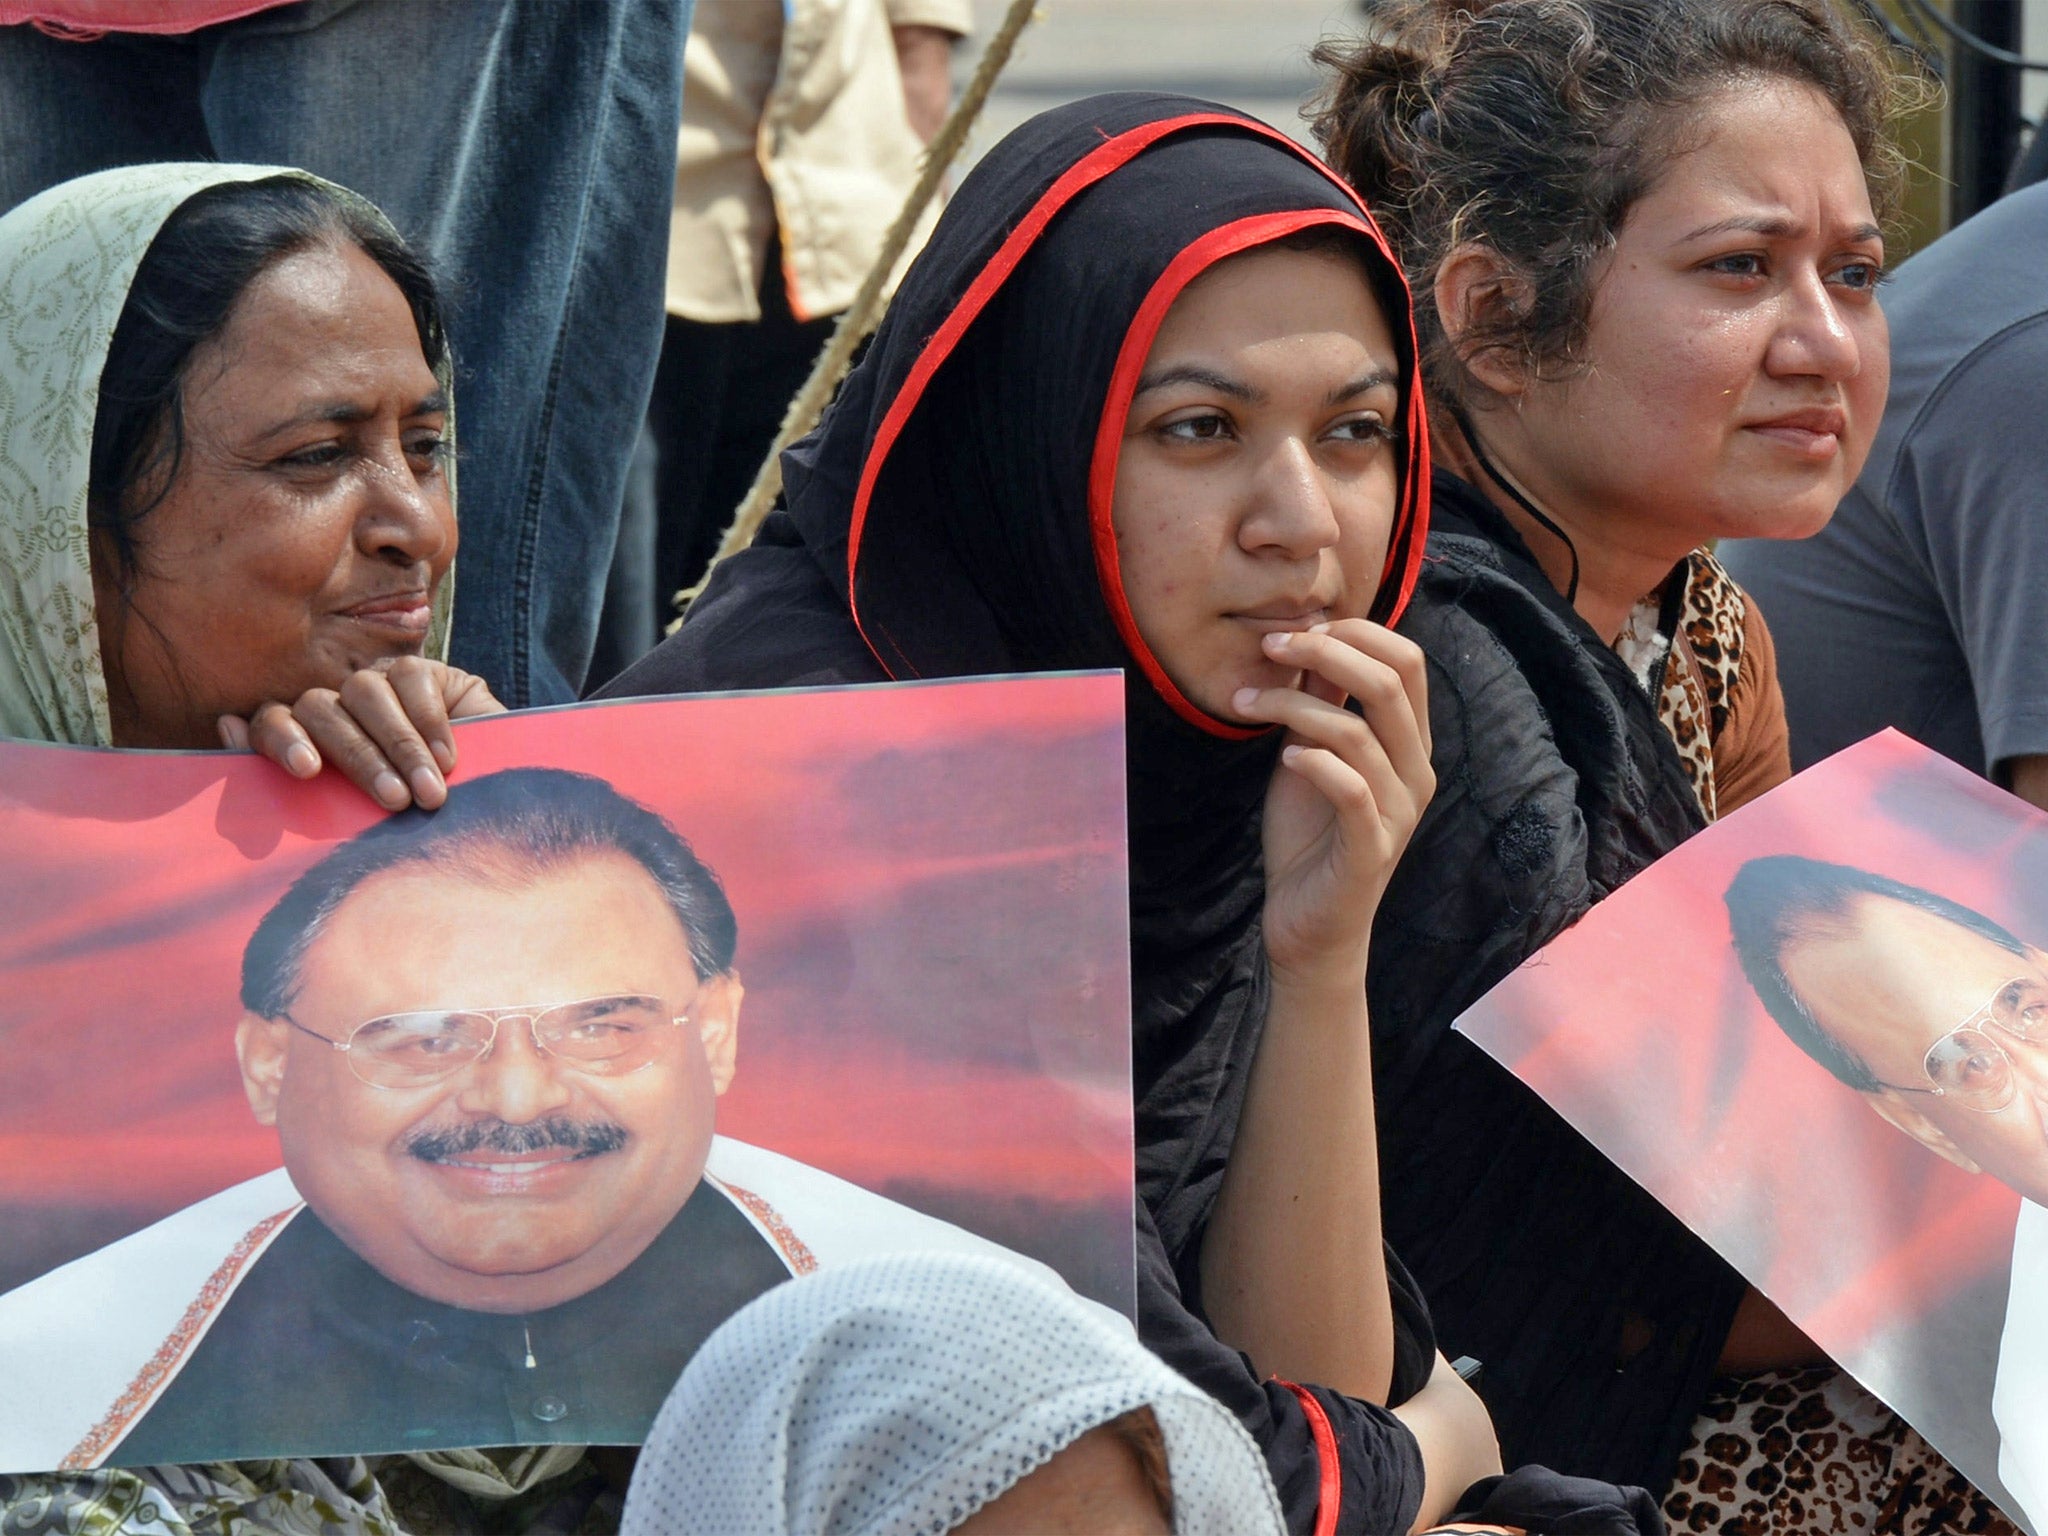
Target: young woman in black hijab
<point x="1146" y="401"/>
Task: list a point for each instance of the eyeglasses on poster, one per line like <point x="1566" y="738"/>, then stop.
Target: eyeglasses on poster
<point x="330" y="1132"/>
<point x="1818" y="1034"/>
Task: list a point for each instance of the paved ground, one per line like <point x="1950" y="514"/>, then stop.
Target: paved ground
<point x="1251" y="54"/>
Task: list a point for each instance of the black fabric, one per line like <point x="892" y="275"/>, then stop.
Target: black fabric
<point x="720" y="392"/>
<point x="1597" y="1315"/>
<point x="976" y="558"/>
<point x="317" y="1353"/>
<point x="1536" y="1499"/>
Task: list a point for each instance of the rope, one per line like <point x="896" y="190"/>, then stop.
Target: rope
<point x="868" y="306"/>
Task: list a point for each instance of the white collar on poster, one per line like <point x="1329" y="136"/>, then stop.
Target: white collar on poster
<point x="146" y="1301"/>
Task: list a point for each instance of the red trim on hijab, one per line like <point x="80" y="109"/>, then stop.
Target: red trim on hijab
<point x="1411" y="516"/>
<point x="1330" y="1473"/>
<point x="1083" y="174"/>
<point x="1217" y="245"/>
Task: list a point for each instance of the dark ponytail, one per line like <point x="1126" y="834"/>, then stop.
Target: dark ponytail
<point x="1376" y="102"/>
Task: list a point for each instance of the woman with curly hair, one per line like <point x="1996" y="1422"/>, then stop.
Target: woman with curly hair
<point x="1645" y="243"/>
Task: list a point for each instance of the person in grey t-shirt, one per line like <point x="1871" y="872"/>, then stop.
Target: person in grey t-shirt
<point x="1918" y="606"/>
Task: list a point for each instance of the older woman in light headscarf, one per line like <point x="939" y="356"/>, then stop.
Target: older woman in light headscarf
<point x="227" y="516"/>
<point x="922" y="1393"/>
<point x="227" y="505"/>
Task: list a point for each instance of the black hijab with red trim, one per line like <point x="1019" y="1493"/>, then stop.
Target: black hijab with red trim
<point x="950" y="517"/>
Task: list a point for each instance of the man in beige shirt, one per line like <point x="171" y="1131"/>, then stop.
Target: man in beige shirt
<point x="803" y="124"/>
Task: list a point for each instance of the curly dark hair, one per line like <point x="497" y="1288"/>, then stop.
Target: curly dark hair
<point x="1533" y="126"/>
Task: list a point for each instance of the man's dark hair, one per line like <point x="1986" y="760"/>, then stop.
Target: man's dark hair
<point x="1780" y="900"/>
<point x="520" y="821"/>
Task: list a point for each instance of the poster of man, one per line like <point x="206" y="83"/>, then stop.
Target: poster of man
<point x="485" y="1058"/>
<point x="1816" y="1033"/>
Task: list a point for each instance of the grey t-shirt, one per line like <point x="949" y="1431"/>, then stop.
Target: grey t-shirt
<point x="1920" y="604"/>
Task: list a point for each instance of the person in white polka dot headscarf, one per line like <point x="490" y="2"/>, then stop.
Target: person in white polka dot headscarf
<point x="922" y="1393"/>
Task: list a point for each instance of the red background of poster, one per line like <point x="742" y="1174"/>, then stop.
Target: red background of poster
<point x="930" y="887"/>
<point x="1639" y="1027"/>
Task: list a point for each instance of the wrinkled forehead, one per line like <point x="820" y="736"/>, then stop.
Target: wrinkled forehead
<point x="497" y="929"/>
<point x="1890" y="977"/>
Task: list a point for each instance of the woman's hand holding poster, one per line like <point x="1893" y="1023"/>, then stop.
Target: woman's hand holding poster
<point x="330" y="1132"/>
<point x="1818" y="1033"/>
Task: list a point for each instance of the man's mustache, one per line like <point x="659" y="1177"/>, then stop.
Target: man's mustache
<point x="584" y="1138"/>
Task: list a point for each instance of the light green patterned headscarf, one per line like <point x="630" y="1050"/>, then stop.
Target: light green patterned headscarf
<point x="67" y="259"/>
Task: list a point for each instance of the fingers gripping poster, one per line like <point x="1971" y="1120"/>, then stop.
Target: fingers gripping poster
<point x="330" y="1132"/>
<point x="1818" y="1033"/>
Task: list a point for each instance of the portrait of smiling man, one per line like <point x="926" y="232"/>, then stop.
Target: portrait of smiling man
<point x="1938" y="1017"/>
<point x="492" y="1040"/>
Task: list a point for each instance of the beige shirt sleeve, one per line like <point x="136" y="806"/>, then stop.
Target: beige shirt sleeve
<point x="954" y="16"/>
<point x="723" y="214"/>
<point x="1753" y="752"/>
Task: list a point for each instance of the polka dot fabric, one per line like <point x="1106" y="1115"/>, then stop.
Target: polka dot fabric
<point x="896" y="1396"/>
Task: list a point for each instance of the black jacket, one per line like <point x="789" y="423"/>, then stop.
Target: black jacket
<point x="949" y="518"/>
<point x="1597" y="1315"/>
<point x="946" y="519"/>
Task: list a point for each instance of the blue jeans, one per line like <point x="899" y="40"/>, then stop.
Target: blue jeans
<point x="528" y="148"/>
